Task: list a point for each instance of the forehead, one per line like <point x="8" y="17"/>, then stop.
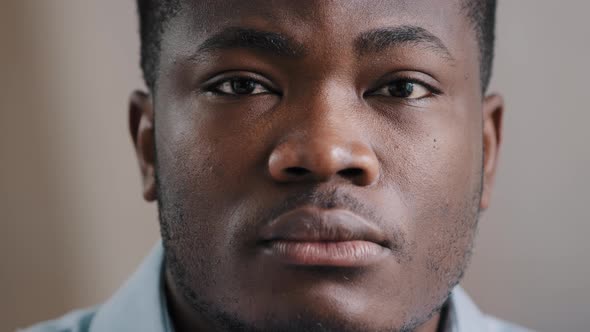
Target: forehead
<point x="327" y="22"/>
<point x="325" y="12"/>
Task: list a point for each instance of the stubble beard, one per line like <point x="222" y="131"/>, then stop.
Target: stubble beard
<point x="170" y="213"/>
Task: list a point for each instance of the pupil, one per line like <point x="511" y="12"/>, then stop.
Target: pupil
<point x="401" y="90"/>
<point x="243" y="86"/>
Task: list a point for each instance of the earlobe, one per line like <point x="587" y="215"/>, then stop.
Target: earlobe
<point x="493" y="109"/>
<point x="141" y="127"/>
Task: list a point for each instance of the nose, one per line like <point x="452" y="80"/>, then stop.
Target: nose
<point x="322" y="157"/>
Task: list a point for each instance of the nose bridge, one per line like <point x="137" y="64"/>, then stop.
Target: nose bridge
<point x="326" y="113"/>
<point x="324" y="142"/>
<point x="328" y="108"/>
<point x="326" y="127"/>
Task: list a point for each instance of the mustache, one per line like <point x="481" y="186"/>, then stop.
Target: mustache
<point x="331" y="199"/>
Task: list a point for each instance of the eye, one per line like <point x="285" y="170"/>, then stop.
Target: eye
<point x="405" y="89"/>
<point x="239" y="87"/>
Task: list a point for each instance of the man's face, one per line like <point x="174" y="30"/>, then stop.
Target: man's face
<point x="320" y="164"/>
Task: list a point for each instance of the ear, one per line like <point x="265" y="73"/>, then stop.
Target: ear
<point x="493" y="109"/>
<point x="141" y="127"/>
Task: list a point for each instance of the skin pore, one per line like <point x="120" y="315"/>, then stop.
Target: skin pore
<point x="264" y="107"/>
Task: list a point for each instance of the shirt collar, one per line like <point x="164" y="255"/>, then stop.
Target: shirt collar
<point x="464" y="316"/>
<point x="140" y="304"/>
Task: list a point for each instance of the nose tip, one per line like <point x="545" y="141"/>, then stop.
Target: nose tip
<point x="315" y="160"/>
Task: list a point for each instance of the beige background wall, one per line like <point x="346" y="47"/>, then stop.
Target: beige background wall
<point x="73" y="225"/>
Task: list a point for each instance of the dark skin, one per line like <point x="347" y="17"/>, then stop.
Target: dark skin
<point x="237" y="132"/>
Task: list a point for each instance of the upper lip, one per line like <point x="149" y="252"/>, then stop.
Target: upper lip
<point x="310" y="224"/>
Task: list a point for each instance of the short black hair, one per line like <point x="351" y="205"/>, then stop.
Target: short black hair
<point x="482" y="14"/>
<point x="155" y="14"/>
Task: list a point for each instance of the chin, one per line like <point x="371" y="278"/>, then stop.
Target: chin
<point x="318" y="310"/>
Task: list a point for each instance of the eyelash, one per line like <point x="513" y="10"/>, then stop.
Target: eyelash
<point x="214" y="86"/>
<point x="434" y="91"/>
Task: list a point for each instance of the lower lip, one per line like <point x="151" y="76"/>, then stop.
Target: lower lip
<point x="329" y="253"/>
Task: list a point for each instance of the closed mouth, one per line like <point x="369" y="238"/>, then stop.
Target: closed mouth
<point x="317" y="237"/>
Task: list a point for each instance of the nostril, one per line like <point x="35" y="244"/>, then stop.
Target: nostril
<point x="351" y="172"/>
<point x="297" y="171"/>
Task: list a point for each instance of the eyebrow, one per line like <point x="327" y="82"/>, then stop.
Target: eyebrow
<point x="267" y="42"/>
<point x="377" y="40"/>
<point x="373" y="41"/>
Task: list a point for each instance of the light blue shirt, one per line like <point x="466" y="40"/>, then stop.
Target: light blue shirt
<point x="139" y="305"/>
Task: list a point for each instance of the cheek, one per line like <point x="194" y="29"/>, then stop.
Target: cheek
<point x="438" y="173"/>
<point x="205" y="168"/>
<point x="204" y="153"/>
<point x="192" y="196"/>
<point x="190" y="177"/>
